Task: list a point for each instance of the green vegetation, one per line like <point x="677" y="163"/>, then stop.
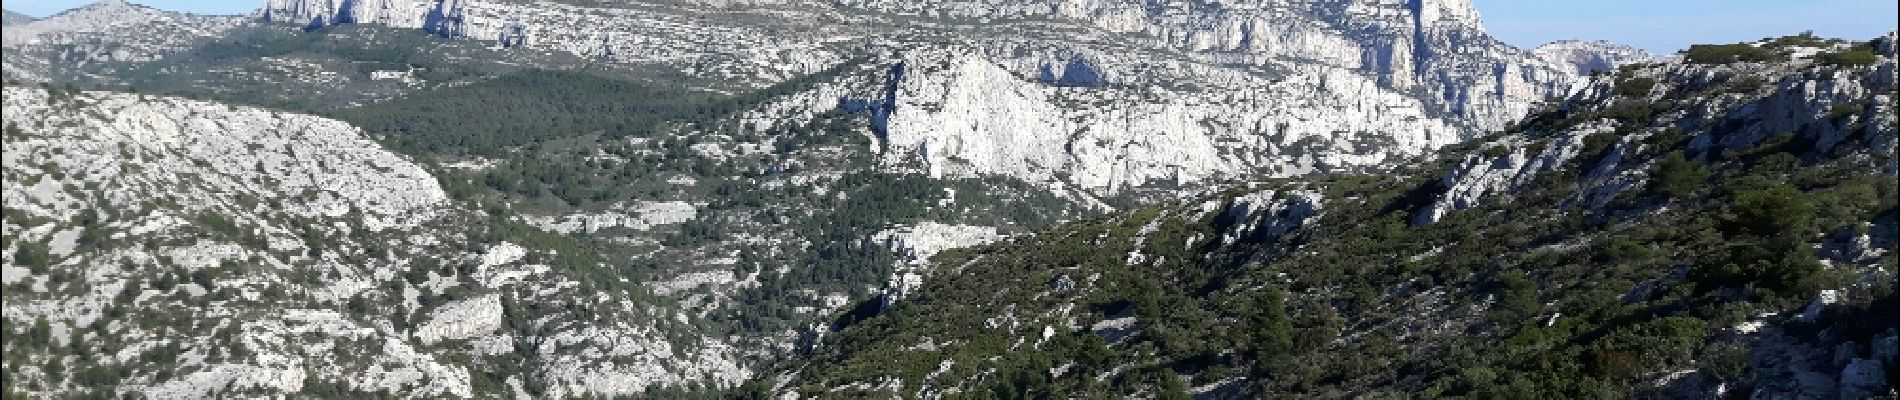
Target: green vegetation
<point x="525" y="108"/>
<point x="1677" y="177"/>
<point x="1635" y="87"/>
<point x="249" y="66"/>
<point x="1729" y="53"/>
<point x="1568" y="300"/>
<point x="1766" y="231"/>
<point x="1858" y="56"/>
<point x="1803" y="39"/>
<point x="1778" y="49"/>
<point x="34" y="256"/>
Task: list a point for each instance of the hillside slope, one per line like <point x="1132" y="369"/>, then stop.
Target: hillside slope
<point x="174" y="248"/>
<point x="1712" y="227"/>
<point x="10" y="18"/>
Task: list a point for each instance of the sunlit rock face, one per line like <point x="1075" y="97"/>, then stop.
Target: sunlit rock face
<point x="1592" y="56"/>
<point x="1283" y="70"/>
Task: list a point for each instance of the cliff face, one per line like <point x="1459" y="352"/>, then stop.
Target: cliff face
<point x="1435" y="47"/>
<point x="1099" y="96"/>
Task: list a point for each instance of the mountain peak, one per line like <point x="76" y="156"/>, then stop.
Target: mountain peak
<point x="10" y="18"/>
<point x="1590" y="56"/>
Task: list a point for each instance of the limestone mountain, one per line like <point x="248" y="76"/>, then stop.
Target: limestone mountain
<point x="1590" y="57"/>
<point x="1091" y="100"/>
<point x="185" y="249"/>
<point x="1684" y="229"/>
<point x="103" y="32"/>
<point x="667" y="199"/>
<point x="8" y="18"/>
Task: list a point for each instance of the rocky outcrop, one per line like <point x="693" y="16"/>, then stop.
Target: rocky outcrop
<point x="1589" y="57"/>
<point x="102" y="32"/>
<point x="961" y="115"/>
<point x="462" y="320"/>
<point x="1266" y="214"/>
<point x="203" y="157"/>
<point x="1827" y="107"/>
<point x="110" y="18"/>
<point x="289" y="254"/>
<point x="401" y="13"/>
<point x="916" y="244"/>
<point x="641" y="216"/>
<point x="1480" y="177"/>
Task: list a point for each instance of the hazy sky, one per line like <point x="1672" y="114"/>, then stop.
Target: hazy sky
<point x="42" y="8"/>
<point x="1661" y="26"/>
<point x="1664" y="26"/>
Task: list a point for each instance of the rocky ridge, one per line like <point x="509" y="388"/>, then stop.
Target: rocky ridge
<point x="1593" y="55"/>
<point x="259" y="241"/>
<point x="1100" y="96"/>
<point x="734" y="48"/>
<point x="1829" y="107"/>
<point x="103" y="32"/>
<point x="1590" y="57"/>
<point x="1590" y="232"/>
<point x="10" y="18"/>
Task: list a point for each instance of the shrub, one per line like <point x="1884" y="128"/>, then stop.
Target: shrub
<point x="1771" y="211"/>
<point x="1274" y="337"/>
<point x="1743" y="84"/>
<point x="1622" y="250"/>
<point x="34" y="256"/>
<point x="1843" y="110"/>
<point x="1727" y="360"/>
<point x="1803" y="39"/>
<point x="1496" y="151"/>
<point x="1856" y="57"/>
<point x="216" y="223"/>
<point x="1635" y="87"/>
<point x="1517" y="298"/>
<point x="1728" y="53"/>
<point x="1677" y="176"/>
<point x="1660" y="341"/>
<point x="1632" y="111"/>
<point x="1766" y="231"/>
<point x="1595" y="145"/>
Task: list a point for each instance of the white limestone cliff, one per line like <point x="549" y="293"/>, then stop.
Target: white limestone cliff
<point x="1589" y="57"/>
<point x="462" y="320"/>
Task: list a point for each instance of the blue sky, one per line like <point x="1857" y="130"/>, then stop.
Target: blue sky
<point x="1664" y="26"/>
<point x="1661" y="26"/>
<point x="42" y="8"/>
